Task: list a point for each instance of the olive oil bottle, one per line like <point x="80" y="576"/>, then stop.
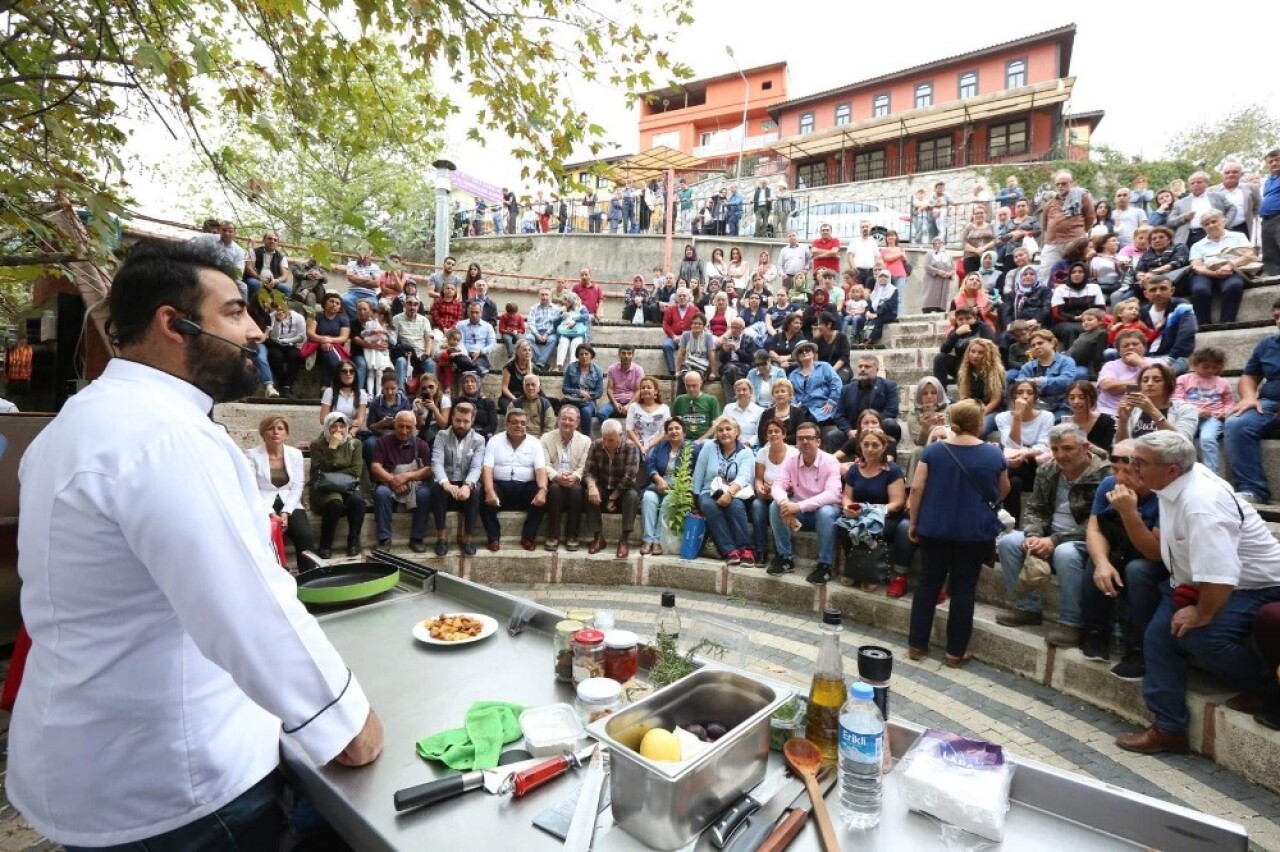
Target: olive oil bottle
<point x="827" y="692"/>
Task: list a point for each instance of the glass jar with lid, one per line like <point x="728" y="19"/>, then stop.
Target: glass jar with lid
<point x="586" y="616"/>
<point x="598" y="697"/>
<point x="588" y="655"/>
<point x="563" y="642"/>
<point x="621" y="655"/>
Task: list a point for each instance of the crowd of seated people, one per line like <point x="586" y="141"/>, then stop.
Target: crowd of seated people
<point x="1048" y="382"/>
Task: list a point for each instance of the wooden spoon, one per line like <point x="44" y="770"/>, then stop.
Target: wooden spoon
<point x="805" y="759"/>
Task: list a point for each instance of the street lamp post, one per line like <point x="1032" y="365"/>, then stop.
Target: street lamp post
<point x="746" y="96"/>
<point x="444" y="222"/>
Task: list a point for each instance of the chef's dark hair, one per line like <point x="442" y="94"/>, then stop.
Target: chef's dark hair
<point x="156" y="273"/>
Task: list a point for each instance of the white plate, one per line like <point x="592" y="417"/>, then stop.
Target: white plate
<point x="490" y="627"/>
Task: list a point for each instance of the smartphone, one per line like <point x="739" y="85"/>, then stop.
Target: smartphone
<point x="1133" y="388"/>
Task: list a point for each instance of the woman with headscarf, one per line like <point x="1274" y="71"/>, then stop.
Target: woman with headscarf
<point x="336" y="451"/>
<point x="768" y="272"/>
<point x="1071" y="300"/>
<point x="882" y="306"/>
<point x="485" y="420"/>
<point x="1029" y="299"/>
<point x="691" y="268"/>
<point x="939" y="269"/>
<point x="989" y="271"/>
<point x="928" y="411"/>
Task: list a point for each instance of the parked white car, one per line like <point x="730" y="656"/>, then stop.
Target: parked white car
<point x="845" y="218"/>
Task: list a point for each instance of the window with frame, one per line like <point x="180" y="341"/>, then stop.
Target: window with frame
<point x="933" y="154"/>
<point x="969" y="84"/>
<point x="868" y="165"/>
<point x="1004" y="140"/>
<point x="924" y="95"/>
<point x="812" y="175"/>
<point x="1015" y="73"/>
<point x="844" y="114"/>
<point x="880" y="106"/>
<point x="806" y="122"/>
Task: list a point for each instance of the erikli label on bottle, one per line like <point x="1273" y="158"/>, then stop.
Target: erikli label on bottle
<point x="868" y="747"/>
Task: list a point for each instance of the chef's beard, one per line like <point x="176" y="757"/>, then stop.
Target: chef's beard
<point x="220" y="370"/>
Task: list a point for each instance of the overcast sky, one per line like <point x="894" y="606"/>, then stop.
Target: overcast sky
<point x="1131" y="60"/>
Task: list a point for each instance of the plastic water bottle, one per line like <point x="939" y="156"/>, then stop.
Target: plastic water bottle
<point x="861" y="755"/>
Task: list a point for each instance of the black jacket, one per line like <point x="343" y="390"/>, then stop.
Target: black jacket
<point x="855" y="399"/>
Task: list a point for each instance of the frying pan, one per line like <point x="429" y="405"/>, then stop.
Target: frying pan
<point x="344" y="582"/>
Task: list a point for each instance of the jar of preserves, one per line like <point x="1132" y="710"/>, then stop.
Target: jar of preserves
<point x="621" y="655"/>
<point x="563" y="642"/>
<point x="598" y="697"/>
<point x="588" y="655"/>
<point x="586" y="616"/>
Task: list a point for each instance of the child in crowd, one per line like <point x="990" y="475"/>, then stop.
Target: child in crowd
<point x="453" y="361"/>
<point x="376" y="331"/>
<point x="1128" y="315"/>
<point x="511" y="327"/>
<point x="1205" y="388"/>
<point x="1089" y="347"/>
<point x="855" y="313"/>
<point x="1019" y="337"/>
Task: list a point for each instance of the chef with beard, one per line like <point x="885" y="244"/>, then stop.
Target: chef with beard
<point x="169" y="650"/>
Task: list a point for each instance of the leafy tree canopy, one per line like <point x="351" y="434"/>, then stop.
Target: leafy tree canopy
<point x="1244" y="134"/>
<point x="77" y="73"/>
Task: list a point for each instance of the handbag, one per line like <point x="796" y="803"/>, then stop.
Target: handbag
<point x="336" y="483"/>
<point x="867" y="561"/>
<point x="995" y="526"/>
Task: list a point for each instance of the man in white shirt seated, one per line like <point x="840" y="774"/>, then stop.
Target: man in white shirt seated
<point x="478" y="338"/>
<point x="1226" y="566"/>
<point x="1215" y="264"/>
<point x="169" y="649"/>
<point x="514" y="477"/>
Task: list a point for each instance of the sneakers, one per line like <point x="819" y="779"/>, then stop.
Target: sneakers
<point x="1095" y="646"/>
<point x="820" y="575"/>
<point x="897" y="586"/>
<point x="781" y="566"/>
<point x="746" y="556"/>
<point x="734" y="557"/>
<point x="761" y="559"/>
<point x="1130" y="667"/>
<point x="271" y="391"/>
<point x="1019" y="618"/>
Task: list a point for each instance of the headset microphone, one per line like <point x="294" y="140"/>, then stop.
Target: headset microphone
<point x="191" y="327"/>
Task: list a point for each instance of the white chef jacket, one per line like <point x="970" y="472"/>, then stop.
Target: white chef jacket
<point x="1209" y="535"/>
<point x="168" y="646"/>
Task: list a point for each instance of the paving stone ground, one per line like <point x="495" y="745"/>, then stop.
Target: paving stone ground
<point x="979" y="701"/>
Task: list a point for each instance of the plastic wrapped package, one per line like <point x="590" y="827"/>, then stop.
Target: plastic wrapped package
<point x="964" y="783"/>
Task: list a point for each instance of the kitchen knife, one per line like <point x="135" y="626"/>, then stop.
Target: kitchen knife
<point x="733" y="817"/>
<point x="455" y="785"/>
<point x="792" y="822"/>
<point x="762" y="824"/>
<point x="583" y="826"/>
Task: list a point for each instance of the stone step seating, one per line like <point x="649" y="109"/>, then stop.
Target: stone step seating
<point x="1232" y="739"/>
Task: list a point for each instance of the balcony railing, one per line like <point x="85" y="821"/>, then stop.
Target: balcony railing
<point x="730" y="145"/>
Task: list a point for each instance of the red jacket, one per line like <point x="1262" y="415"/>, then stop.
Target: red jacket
<point x="672" y="325"/>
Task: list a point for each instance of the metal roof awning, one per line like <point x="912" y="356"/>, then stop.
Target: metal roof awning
<point x="652" y="164"/>
<point x="890" y="127"/>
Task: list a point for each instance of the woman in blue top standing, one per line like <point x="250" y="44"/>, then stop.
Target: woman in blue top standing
<point x="722" y="483"/>
<point x="953" y="521"/>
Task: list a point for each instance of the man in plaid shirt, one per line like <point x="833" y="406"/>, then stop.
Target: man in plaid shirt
<point x="613" y="467"/>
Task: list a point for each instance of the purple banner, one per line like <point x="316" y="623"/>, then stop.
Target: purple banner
<point x="477" y="187"/>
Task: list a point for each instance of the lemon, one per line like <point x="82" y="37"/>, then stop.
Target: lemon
<point x="660" y="744"/>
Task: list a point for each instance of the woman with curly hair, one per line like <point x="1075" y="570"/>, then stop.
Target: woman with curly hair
<point x="982" y="378"/>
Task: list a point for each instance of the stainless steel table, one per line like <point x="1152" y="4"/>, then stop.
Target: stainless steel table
<point x="418" y="690"/>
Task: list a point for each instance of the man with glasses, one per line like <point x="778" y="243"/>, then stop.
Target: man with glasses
<point x="806" y="496"/>
<point x="1066" y="216"/>
<point x="1226" y="566"/>
<point x="1124" y="559"/>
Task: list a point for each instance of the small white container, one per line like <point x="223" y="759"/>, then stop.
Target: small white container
<point x="551" y="730"/>
<point x="598" y="697"/>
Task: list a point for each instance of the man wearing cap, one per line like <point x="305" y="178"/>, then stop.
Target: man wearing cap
<point x="817" y="387"/>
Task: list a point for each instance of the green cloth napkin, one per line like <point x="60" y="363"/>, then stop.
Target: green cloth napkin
<point x="489" y="725"/>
